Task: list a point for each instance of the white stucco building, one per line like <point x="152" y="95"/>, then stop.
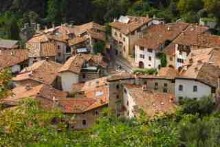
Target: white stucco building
<point x="146" y="58"/>
<point x="192" y="88"/>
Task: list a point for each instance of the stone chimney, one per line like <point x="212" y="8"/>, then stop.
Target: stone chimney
<point x="28" y="87"/>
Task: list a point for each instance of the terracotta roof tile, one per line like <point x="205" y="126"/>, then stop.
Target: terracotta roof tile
<point x="168" y="72"/>
<point x="151" y="102"/>
<point x="132" y="25"/>
<point x="97" y="35"/>
<point x="157" y="35"/>
<point x="12" y="57"/>
<point x="77" y="40"/>
<point x="74" y="64"/>
<point x="190" y="35"/>
<point x="40" y="91"/>
<point x="42" y="71"/>
<point x="120" y="76"/>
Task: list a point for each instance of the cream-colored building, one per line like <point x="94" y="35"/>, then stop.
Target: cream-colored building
<point x="81" y="68"/>
<point x="125" y="31"/>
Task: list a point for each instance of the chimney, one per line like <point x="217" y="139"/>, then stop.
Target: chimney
<point x="53" y="25"/>
<point x="38" y="27"/>
<point x="12" y="53"/>
<point x="147" y="15"/>
<point x="47" y="58"/>
<point x="28" y="87"/>
<point x="45" y="28"/>
<point x="55" y="101"/>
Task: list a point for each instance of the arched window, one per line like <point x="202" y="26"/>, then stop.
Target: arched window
<point x="141" y="64"/>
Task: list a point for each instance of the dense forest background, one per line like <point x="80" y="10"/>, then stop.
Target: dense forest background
<point x="14" y="13"/>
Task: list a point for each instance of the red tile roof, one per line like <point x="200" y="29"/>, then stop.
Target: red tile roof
<point x="151" y="102"/>
<point x="157" y="35"/>
<point x="12" y="57"/>
<point x="42" y="71"/>
<point x="133" y="24"/>
<point x="190" y="35"/>
<point x="74" y="64"/>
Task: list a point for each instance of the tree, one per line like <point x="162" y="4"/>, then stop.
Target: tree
<point x="99" y="47"/>
<point x="5" y="77"/>
<point x="190" y="5"/>
<point x="53" y="11"/>
<point x="13" y="29"/>
<point x="212" y="6"/>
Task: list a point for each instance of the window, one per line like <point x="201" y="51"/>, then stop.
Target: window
<point x="117" y="86"/>
<point x="165" y="90"/>
<point x="142" y="48"/>
<point x="96" y="112"/>
<point x="84" y="122"/>
<point x="59" y="54"/>
<point x="58" y="46"/>
<point x="165" y="84"/>
<point x="180" y="87"/>
<point x="180" y="47"/>
<point x="195" y="98"/>
<point x="180" y="60"/>
<point x="68" y="49"/>
<point x="142" y="56"/>
<point x="117" y="96"/>
<point x="145" y="82"/>
<point x="150" y="50"/>
<point x="156" y="86"/>
<point x="194" y="88"/>
<point x="84" y="76"/>
<point x="180" y="98"/>
<point x="149" y="65"/>
<point x="149" y="58"/>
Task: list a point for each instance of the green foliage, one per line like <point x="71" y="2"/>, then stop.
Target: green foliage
<point x="53" y="11"/>
<point x="203" y="107"/>
<point x="9" y="26"/>
<point x="107" y="10"/>
<point x="163" y="59"/>
<point x="151" y="71"/>
<point x="30" y="125"/>
<point x="5" y="77"/>
<point x="99" y="47"/>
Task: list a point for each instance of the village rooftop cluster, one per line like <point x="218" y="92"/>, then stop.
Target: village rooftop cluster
<point x="61" y="67"/>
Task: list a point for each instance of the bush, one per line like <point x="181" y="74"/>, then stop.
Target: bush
<point x="151" y="71"/>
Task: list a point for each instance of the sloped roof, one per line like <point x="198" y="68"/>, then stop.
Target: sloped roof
<point x="74" y="64"/>
<point x="133" y="24"/>
<point x="40" y="91"/>
<point x="157" y="35"/>
<point x="77" y="40"/>
<point x="41" y="71"/>
<point x="205" y="72"/>
<point x="190" y="35"/>
<point x="12" y="57"/>
<point x="151" y="102"/>
<point x="8" y="44"/>
<point x="168" y="72"/>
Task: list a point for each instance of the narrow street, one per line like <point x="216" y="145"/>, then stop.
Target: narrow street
<point x="119" y="64"/>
